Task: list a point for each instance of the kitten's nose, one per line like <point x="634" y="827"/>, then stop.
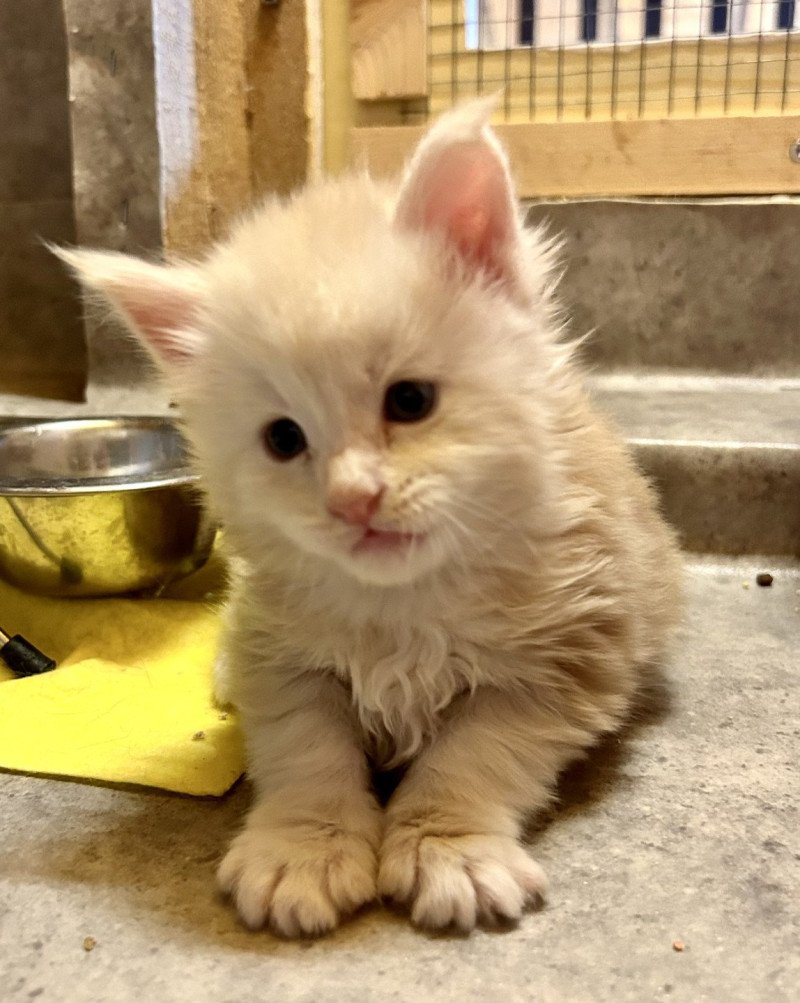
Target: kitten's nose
<point x="355" y="506"/>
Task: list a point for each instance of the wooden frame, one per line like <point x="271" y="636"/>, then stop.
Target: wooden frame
<point x="204" y="145"/>
<point x="235" y="110"/>
<point x="723" y="156"/>
<point x="614" y="140"/>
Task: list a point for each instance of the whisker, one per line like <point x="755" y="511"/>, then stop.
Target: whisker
<point x="484" y="513"/>
<point x="453" y="520"/>
<point x="457" y="552"/>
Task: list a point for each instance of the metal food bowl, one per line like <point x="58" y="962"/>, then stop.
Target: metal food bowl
<point x="98" y="506"/>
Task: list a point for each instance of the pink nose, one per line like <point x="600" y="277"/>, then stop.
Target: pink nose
<point x="355" y="507"/>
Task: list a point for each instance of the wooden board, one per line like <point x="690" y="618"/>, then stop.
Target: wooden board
<point x="280" y="108"/>
<point x="388" y="41"/>
<point x="714" y="156"/>
<point x="233" y="108"/>
<point x="201" y="98"/>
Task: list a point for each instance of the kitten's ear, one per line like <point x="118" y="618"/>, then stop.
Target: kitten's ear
<point x="458" y="184"/>
<point x="159" y="303"/>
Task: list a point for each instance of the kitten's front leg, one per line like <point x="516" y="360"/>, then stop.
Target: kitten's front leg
<point x="308" y="852"/>
<point x="451" y="851"/>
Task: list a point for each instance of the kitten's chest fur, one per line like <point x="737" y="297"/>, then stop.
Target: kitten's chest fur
<point x="404" y="656"/>
<point x="402" y="678"/>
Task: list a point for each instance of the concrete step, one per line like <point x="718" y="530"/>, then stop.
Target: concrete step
<point x="723" y="452"/>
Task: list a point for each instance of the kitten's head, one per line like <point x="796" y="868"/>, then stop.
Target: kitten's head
<point x="362" y="371"/>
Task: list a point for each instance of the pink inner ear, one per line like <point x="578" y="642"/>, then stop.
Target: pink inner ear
<point x="463" y="192"/>
<point x="163" y="316"/>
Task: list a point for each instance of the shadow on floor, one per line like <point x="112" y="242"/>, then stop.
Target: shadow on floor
<point x="152" y="856"/>
<point x="588" y="781"/>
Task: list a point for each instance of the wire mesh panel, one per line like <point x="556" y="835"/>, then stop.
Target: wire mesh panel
<point x="573" y="60"/>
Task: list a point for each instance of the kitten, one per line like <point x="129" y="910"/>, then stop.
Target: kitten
<point x="445" y="560"/>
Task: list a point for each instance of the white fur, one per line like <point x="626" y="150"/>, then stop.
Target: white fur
<point x="508" y="636"/>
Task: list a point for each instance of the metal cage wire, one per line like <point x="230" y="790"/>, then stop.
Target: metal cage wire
<point x="557" y="60"/>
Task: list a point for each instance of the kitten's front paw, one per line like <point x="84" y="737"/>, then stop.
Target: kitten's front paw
<point x="458" y="880"/>
<point x="300" y="880"/>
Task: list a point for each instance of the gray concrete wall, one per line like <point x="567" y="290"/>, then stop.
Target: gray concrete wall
<point x="700" y="286"/>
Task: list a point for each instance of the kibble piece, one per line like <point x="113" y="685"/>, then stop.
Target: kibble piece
<point x="764" y="578"/>
<point x="198" y="736"/>
<point x="678" y="945"/>
<point x="89" y="943"/>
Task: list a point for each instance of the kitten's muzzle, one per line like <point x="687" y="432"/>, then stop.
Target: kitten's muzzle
<point x="356" y="485"/>
<point x="355" y="506"/>
<point x="355" y="509"/>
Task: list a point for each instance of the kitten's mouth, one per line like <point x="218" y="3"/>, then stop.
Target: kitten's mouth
<point x="385" y="541"/>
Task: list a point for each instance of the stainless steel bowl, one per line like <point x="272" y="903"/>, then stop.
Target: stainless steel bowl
<point x="98" y="506"/>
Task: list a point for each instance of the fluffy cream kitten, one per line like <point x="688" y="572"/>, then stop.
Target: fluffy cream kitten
<point x="445" y="561"/>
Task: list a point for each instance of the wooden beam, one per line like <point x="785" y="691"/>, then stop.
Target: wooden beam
<point x="232" y="102"/>
<point x="339" y="105"/>
<point x="201" y="88"/>
<point x="715" y="156"/>
<point x="388" y="39"/>
<point x="278" y="97"/>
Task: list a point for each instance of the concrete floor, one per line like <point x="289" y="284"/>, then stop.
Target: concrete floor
<point x="685" y="830"/>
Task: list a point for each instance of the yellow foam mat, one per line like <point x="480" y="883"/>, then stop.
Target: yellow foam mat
<point x="131" y="699"/>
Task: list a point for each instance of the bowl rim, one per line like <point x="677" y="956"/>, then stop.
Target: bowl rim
<point x="182" y="476"/>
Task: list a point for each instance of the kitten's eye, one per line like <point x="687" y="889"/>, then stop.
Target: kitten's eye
<point x="409" y="400"/>
<point x="284" y="439"/>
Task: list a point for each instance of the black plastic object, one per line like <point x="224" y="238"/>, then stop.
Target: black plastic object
<point x="23" y="658"/>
